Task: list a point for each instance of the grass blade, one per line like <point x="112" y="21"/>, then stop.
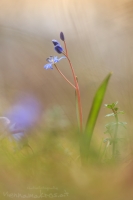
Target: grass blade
<point x="91" y="121"/>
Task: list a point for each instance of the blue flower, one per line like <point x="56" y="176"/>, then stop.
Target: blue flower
<point x="58" y="48"/>
<point x="51" y="61"/>
<point x="22" y="116"/>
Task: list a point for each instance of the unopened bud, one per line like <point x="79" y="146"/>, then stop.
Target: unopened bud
<point x="62" y="36"/>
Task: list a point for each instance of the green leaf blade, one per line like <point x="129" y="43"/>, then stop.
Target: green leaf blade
<point x="96" y="105"/>
<point x="95" y="108"/>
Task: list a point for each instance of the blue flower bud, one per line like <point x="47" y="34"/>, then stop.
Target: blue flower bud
<point x="58" y="48"/>
<point x="62" y="36"/>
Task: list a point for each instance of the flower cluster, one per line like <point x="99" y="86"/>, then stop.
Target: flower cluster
<point x="52" y="60"/>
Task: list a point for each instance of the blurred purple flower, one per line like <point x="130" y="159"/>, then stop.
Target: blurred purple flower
<point x="23" y="116"/>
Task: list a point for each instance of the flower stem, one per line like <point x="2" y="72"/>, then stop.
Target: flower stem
<point x="115" y="136"/>
<point x="65" y="48"/>
<point x="64" y="76"/>
<point x="77" y="88"/>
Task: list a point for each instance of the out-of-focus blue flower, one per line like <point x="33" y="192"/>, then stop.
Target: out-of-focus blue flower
<point x="58" y="48"/>
<point x="51" y="61"/>
<point x="22" y="116"/>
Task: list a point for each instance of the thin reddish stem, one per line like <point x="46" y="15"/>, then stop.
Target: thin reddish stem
<point x="65" y="48"/>
<point x="77" y="87"/>
<point x="64" y="76"/>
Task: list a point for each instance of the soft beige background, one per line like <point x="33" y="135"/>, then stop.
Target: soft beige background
<point x="99" y="36"/>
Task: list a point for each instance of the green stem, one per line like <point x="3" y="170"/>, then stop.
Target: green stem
<point x="115" y="135"/>
<point x="77" y="109"/>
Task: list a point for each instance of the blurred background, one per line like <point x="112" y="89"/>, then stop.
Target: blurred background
<point x="99" y="39"/>
<point x="99" y="36"/>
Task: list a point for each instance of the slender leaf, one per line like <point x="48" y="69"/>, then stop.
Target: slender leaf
<point x="96" y="105"/>
<point x="91" y="121"/>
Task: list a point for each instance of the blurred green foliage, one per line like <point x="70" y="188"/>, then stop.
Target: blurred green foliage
<point x="56" y="163"/>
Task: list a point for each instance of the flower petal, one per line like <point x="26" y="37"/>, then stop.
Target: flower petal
<point x="55" y="42"/>
<point x="58" y="48"/>
<point x="5" y="121"/>
<point x="55" y="59"/>
<point x="48" y="66"/>
<point x="61" y="58"/>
